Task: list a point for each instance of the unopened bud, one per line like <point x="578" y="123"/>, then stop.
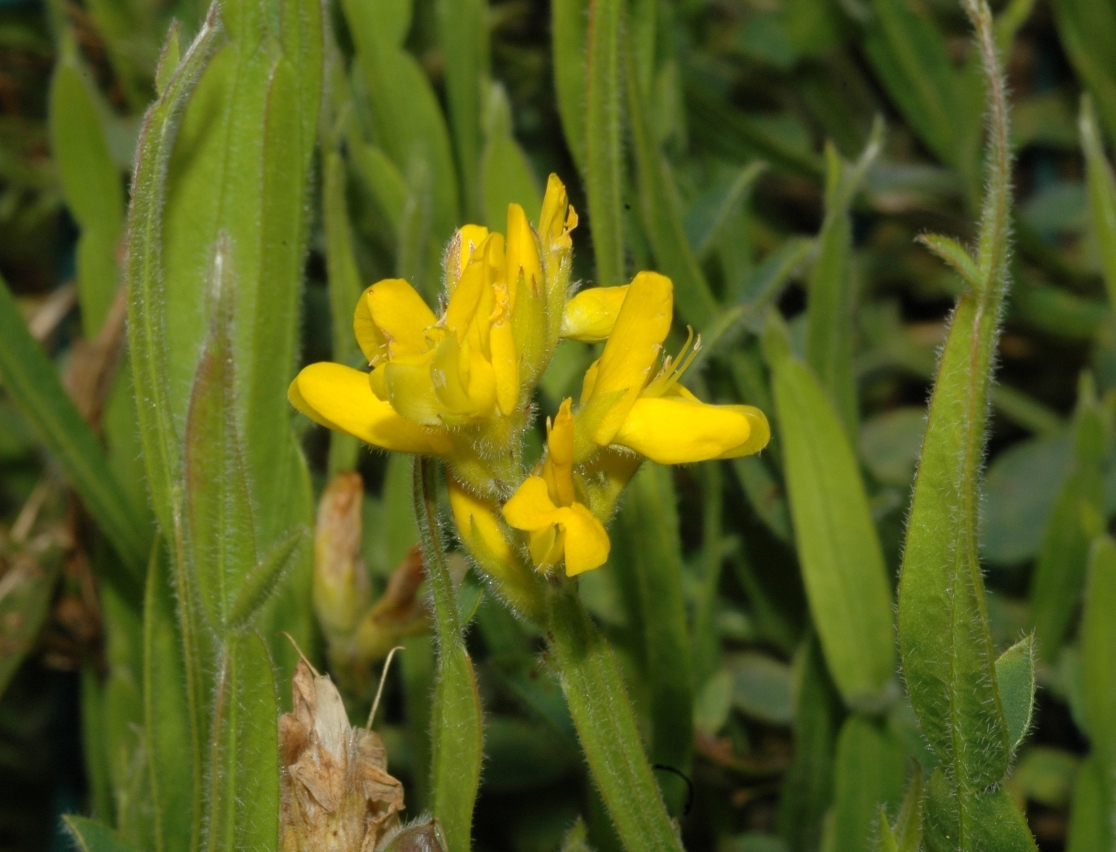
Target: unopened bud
<point x="340" y="588"/>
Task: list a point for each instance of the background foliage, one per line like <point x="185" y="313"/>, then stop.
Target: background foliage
<point x="778" y="159"/>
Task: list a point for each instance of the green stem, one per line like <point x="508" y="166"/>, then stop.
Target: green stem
<point x="602" y="145"/>
<point x="456" y="738"/>
<point x="606" y="725"/>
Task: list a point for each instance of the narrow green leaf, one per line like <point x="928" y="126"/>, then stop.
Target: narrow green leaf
<point x="993" y="821"/>
<point x="604" y="167"/>
<point x="660" y="209"/>
<point x="173" y="716"/>
<point x="262" y="581"/>
<point x="456" y="731"/>
<point x="463" y="35"/>
<point x="145" y="277"/>
<point x="1102" y="193"/>
<point x="949" y="250"/>
<point x="908" y="825"/>
<point x="92" y="836"/>
<point x="412" y="253"/>
<point x="168" y="59"/>
<point x="868" y="775"/>
<point x="912" y="61"/>
<point x="1090" y="821"/>
<point x="606" y="726"/>
<point x="944" y="634"/>
<point x="1076" y="517"/>
<point x="808" y="790"/>
<point x="734" y="136"/>
<point x="243" y="801"/>
<point x="222" y="542"/>
<point x="1015" y="674"/>
<point x="569" y="27"/>
<point x="91" y="185"/>
<point x="839" y="550"/>
<point x="1098" y="647"/>
<point x="885" y="837"/>
<point x="31" y="381"/>
<point x="651" y="564"/>
<point x="706" y="220"/>
<point x="343" y="278"/>
<point x="506" y="175"/>
<point x="384" y="181"/>
<point x="1087" y="30"/>
<point x="829" y="315"/>
<point x="408" y="120"/>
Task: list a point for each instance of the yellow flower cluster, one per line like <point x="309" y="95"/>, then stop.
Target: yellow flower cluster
<point x="461" y="385"/>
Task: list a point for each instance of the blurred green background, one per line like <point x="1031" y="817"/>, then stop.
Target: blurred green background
<point x="723" y="174"/>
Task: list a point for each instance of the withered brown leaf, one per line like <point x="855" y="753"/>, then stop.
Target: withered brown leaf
<point x="337" y="795"/>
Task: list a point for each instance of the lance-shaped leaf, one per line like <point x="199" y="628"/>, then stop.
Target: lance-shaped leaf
<point x="944" y="637"/>
<point x="243" y="800"/>
<point x="463" y="35"/>
<point x="660" y="210"/>
<point x="408" y="118"/>
<point x="829" y="331"/>
<point x="868" y="774"/>
<point x="1087" y="31"/>
<point x="344" y="290"/>
<point x="506" y="175"/>
<point x="1076" y="517"/>
<point x="1098" y="647"/>
<point x="808" y="789"/>
<point x="838" y="547"/>
<point x="91" y="184"/>
<point x="1102" y="192"/>
<point x="604" y="159"/>
<point x="1015" y="674"/>
<point x="31" y="381"/>
<point x="455" y="726"/>
<point x="569" y="20"/>
<point x="1090" y="823"/>
<point x="174" y="721"/>
<point x="221" y="545"/>
<point x="92" y="836"/>
<point x="146" y="279"/>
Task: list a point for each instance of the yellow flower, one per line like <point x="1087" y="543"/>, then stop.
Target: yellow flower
<point x="623" y="404"/>
<point x="546" y="507"/>
<point x="474" y="365"/>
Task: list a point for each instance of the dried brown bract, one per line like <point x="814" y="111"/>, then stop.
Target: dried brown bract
<point x="337" y="795"/>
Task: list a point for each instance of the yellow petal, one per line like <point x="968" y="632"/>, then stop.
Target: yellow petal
<point x="410" y="389"/>
<point x="468" y="239"/>
<point x="522" y="254"/>
<point x="505" y="366"/>
<point x="558" y="469"/>
<point x="530" y="507"/>
<point x="557" y="218"/>
<point x="465" y="297"/>
<point x="369" y="338"/>
<point x="586" y="543"/>
<point x="545" y="546"/>
<point x="401" y="316"/>
<point x="591" y="315"/>
<point x="674" y="430"/>
<point x="641" y="327"/>
<point x="479" y="526"/>
<point x="339" y="398"/>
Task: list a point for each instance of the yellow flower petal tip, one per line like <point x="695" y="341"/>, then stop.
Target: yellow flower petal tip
<point x="590" y="316"/>
<point x="676" y="430"/>
<point x="339" y="397"/>
<point x="570" y="533"/>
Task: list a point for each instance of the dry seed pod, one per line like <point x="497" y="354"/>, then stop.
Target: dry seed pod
<point x="337" y="795"/>
<point x="423" y="835"/>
